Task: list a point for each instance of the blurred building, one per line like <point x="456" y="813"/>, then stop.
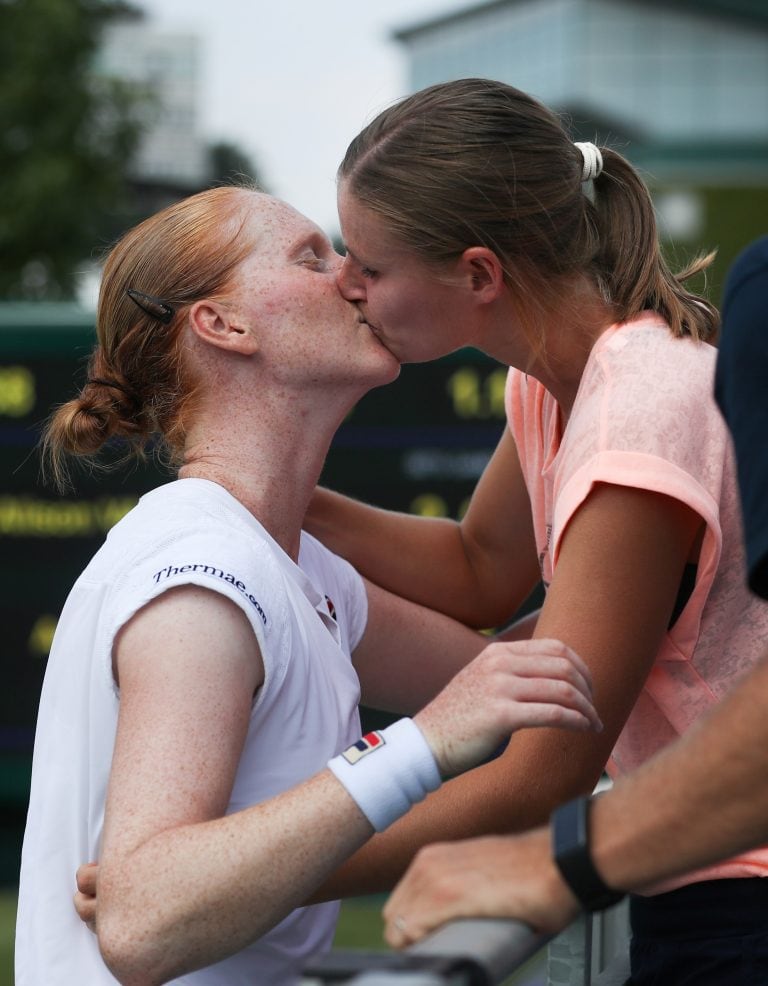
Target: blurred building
<point x="165" y="67"/>
<point x="680" y="87"/>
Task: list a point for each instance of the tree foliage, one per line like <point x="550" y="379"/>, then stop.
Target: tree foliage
<point x="228" y="162"/>
<point x="66" y="140"/>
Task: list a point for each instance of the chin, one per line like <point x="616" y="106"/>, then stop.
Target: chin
<point x="392" y="370"/>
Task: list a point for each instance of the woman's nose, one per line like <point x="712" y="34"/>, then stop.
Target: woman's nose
<point x="350" y="282"/>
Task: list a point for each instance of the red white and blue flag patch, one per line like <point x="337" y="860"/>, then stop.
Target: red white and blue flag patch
<point x="368" y="743"/>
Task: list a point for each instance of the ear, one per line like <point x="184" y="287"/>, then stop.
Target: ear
<point x="484" y="271"/>
<point x="219" y="326"/>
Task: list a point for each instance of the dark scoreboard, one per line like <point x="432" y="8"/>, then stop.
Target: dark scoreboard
<point x="417" y="445"/>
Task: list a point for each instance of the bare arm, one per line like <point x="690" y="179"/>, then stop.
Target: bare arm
<point x="612" y="613"/>
<point x="188" y="667"/>
<point x="180" y="886"/>
<point x="701" y="800"/>
<point x="408" y="652"/>
<point x="478" y="571"/>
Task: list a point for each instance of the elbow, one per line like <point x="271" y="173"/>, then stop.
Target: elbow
<point x="132" y="950"/>
<point x="488" y="613"/>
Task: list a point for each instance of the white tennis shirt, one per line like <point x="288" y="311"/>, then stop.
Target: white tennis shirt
<point x="189" y="531"/>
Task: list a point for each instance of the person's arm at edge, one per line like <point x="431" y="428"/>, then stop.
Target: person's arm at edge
<point x="708" y="793"/>
<point x="701" y="800"/>
<point x="478" y="571"/>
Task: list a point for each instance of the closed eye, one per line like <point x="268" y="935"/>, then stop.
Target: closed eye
<point x="314" y="262"/>
<point x="367" y="272"/>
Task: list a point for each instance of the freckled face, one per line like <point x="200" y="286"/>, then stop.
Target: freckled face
<point x="287" y="290"/>
<point x="418" y="312"/>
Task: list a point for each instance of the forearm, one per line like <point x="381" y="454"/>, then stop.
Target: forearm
<point x="699" y="801"/>
<point x="226" y="882"/>
<point x="423" y="559"/>
<point x="431" y="561"/>
<point x="539" y="770"/>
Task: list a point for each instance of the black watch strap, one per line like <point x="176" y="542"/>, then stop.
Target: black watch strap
<point x="570" y="848"/>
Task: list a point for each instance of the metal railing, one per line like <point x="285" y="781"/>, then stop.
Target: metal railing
<point x="487" y="952"/>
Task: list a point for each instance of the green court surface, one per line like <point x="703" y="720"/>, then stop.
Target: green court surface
<point x="7" y="922"/>
<point x="359" y="927"/>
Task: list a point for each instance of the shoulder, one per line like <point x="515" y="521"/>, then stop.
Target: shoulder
<point x="742" y="366"/>
<point x="639" y="373"/>
<point x="751" y="263"/>
<point x="181" y="536"/>
<point x="324" y="568"/>
<point x="645" y="415"/>
<point x="643" y="353"/>
<point x="340" y="583"/>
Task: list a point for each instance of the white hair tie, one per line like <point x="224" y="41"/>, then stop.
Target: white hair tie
<point x="593" y="160"/>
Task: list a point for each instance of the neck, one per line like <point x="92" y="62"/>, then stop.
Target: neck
<point x="271" y="465"/>
<point x="569" y="334"/>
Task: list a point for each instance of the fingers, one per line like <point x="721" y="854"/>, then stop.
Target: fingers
<point x="493" y="876"/>
<point x="85" y="905"/>
<point x="557" y="647"/>
<point x="85" y="898"/>
<point x="566" y="704"/>
<point x="509" y="686"/>
<point x="86" y="878"/>
<point x="546" y="658"/>
<point x="419" y="904"/>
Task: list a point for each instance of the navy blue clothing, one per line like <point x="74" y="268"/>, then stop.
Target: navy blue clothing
<point x="741" y="389"/>
<point x="706" y="934"/>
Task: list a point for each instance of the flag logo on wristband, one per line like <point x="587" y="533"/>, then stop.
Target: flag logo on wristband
<point x="369" y="743"/>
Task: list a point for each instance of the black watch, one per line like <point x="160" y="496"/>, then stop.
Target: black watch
<point x="570" y="848"/>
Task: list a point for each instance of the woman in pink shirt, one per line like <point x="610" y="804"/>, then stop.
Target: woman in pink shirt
<point x="471" y="219"/>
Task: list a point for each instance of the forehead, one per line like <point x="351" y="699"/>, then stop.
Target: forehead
<point x="361" y="228"/>
<point x="367" y="235"/>
<point x="275" y="225"/>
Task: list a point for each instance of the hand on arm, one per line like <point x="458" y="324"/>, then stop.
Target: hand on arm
<point x="180" y="886"/>
<point x="617" y="577"/>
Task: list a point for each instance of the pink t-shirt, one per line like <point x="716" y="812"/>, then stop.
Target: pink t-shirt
<point x="645" y="417"/>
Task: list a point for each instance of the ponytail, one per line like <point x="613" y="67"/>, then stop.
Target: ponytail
<point x="629" y="267"/>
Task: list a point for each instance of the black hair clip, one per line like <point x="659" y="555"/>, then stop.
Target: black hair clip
<point x="158" y="309"/>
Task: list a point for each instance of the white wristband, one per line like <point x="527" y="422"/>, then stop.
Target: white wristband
<point x="387" y="771"/>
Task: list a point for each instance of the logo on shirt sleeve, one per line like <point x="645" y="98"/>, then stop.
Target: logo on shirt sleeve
<point x="212" y="571"/>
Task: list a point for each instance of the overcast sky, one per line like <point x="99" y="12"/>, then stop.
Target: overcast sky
<point x="292" y="81"/>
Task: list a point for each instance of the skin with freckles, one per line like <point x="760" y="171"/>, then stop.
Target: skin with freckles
<point x="187" y="878"/>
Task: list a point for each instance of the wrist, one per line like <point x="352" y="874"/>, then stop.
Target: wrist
<point x="388" y="771"/>
<point x="571" y="851"/>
